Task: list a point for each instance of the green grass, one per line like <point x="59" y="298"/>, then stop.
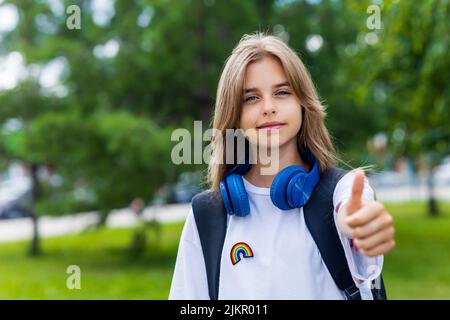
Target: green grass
<point x="107" y="269"/>
<point x="418" y="268"/>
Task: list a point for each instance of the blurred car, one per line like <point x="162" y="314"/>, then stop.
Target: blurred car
<point x="13" y="210"/>
<point x="15" y="196"/>
<point x="187" y="186"/>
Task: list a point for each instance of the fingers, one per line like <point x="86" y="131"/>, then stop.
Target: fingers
<point x="365" y="215"/>
<point x="354" y="203"/>
<point x="368" y="223"/>
<point x="380" y="249"/>
<point x="372" y="229"/>
<point x="376" y="239"/>
<point x="381" y="222"/>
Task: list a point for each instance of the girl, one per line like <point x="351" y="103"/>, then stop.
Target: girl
<point x="268" y="251"/>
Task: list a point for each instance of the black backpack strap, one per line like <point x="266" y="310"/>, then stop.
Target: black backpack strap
<point x="211" y="219"/>
<point x="379" y="291"/>
<point x="319" y="218"/>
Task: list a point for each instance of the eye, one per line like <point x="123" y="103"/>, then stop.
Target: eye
<point x="283" y="92"/>
<point x="250" y="99"/>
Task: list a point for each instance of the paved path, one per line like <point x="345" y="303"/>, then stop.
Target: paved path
<point x="20" y="229"/>
<point x="411" y="193"/>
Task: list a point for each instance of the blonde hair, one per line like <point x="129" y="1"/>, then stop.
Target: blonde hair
<point x="313" y="134"/>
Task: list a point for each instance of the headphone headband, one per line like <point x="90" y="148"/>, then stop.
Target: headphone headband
<point x="291" y="187"/>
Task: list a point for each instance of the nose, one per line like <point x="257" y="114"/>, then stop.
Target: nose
<point x="269" y="107"/>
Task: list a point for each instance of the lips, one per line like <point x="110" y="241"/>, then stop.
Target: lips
<point x="271" y="125"/>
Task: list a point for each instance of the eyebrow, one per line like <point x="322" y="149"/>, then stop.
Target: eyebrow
<point x="286" y="83"/>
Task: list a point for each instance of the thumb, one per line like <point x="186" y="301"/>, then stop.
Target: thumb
<point x="355" y="201"/>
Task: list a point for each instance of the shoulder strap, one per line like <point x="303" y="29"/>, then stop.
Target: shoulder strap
<point x="210" y="217"/>
<point x="319" y="218"/>
<point x="320" y="222"/>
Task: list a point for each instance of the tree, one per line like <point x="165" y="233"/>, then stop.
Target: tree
<point x="106" y="124"/>
<point x="405" y="76"/>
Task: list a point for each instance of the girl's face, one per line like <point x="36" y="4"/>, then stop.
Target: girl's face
<point x="270" y="106"/>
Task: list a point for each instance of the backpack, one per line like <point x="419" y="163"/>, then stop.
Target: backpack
<point x="211" y="219"/>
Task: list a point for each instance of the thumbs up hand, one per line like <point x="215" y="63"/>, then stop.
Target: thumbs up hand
<point x="367" y="223"/>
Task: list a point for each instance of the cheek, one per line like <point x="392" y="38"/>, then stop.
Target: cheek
<point x="248" y="118"/>
<point x="294" y="114"/>
<point x="298" y="118"/>
<point x="247" y="123"/>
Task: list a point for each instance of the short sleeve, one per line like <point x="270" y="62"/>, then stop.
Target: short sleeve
<point x="189" y="280"/>
<point x="364" y="269"/>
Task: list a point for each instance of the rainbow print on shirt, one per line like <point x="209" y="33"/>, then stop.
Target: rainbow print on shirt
<point x="238" y="250"/>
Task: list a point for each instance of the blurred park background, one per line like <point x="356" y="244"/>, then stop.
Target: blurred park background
<point x="89" y="97"/>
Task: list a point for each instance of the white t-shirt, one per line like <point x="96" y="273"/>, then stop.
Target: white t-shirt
<point x="283" y="260"/>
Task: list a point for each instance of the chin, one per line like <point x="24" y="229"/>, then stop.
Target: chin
<point x="268" y="144"/>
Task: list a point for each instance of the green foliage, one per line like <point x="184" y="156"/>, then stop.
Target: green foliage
<point x="405" y="76"/>
<point x="114" y="154"/>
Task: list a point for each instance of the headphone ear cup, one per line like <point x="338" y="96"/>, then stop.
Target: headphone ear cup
<point x="296" y="193"/>
<point x="238" y="195"/>
<point x="225" y="197"/>
<point x="278" y="190"/>
<point x="301" y="185"/>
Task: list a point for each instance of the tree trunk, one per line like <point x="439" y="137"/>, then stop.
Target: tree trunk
<point x="34" y="249"/>
<point x="102" y="218"/>
<point x="433" y="209"/>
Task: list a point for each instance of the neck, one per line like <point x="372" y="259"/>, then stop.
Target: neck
<point x="287" y="156"/>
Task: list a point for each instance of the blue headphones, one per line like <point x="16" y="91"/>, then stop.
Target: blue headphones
<point x="291" y="187"/>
